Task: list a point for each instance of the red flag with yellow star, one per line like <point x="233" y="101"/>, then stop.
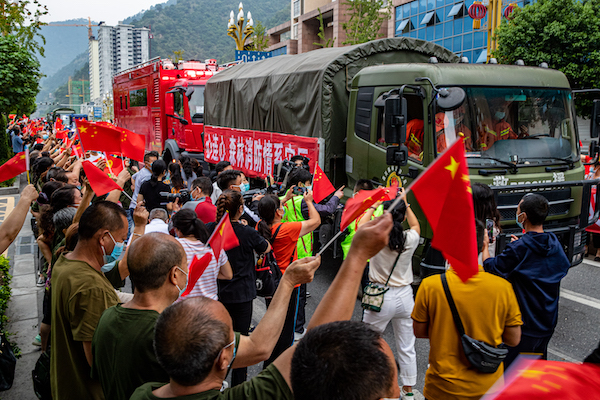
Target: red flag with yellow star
<point x="132" y="145"/>
<point x="13" y="167"/>
<point x="321" y="185"/>
<point x="98" y="137"/>
<point x="224" y="237"/>
<point x="444" y="194"/>
<point x="541" y="379"/>
<point x="358" y="204"/>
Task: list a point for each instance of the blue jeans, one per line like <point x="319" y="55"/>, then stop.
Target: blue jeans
<point x="130" y="224"/>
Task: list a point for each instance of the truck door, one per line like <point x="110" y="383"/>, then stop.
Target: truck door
<point x="174" y="111"/>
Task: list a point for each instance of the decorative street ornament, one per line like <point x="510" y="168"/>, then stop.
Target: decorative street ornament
<point x="477" y="11"/>
<point x="509" y="10"/>
<point x="236" y="29"/>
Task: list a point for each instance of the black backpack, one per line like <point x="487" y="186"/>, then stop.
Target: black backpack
<point x="268" y="273"/>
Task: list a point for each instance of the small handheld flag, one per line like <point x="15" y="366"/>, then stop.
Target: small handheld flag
<point x="223" y="238"/>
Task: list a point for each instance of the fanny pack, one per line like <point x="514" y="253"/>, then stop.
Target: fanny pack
<point x="373" y="294"/>
<point x="482" y="356"/>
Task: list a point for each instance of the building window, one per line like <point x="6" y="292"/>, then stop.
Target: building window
<point x="295" y="31"/>
<point x="404" y="27"/>
<point x="429" y="19"/>
<point x="457" y="11"/>
<point x="297" y="9"/>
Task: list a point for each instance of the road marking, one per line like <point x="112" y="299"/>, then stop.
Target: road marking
<point x="563" y="355"/>
<point x="580" y="298"/>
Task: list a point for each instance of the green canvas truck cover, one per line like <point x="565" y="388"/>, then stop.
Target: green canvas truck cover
<point x="305" y="94"/>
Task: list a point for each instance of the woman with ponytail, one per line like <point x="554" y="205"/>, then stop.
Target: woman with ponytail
<point x="284" y="240"/>
<point x="391" y="269"/>
<point x="150" y="190"/>
<point x="238" y="293"/>
<point x="192" y="234"/>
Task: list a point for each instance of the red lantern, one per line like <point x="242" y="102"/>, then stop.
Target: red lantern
<point x="477" y="11"/>
<point x="508" y="11"/>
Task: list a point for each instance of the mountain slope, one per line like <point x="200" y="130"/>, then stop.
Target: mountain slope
<point x="63" y="44"/>
<point x="199" y="27"/>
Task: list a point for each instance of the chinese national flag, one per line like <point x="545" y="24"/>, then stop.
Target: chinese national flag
<point x="12" y="117"/>
<point x="542" y="379"/>
<point x="100" y="182"/>
<point x="13" y="167"/>
<point x="360" y="203"/>
<point x="62" y="134"/>
<point x="58" y="124"/>
<point x="132" y="145"/>
<point x="391" y="192"/>
<point x="321" y="187"/>
<point x="223" y="238"/>
<point x="77" y="150"/>
<point x="197" y="268"/>
<point x="98" y="137"/>
<point x="444" y="194"/>
<point x="114" y="164"/>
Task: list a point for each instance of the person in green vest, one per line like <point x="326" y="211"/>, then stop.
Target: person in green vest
<point x="296" y="210"/>
<point x="361" y="184"/>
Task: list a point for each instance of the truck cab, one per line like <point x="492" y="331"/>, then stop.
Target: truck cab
<point x="518" y="128"/>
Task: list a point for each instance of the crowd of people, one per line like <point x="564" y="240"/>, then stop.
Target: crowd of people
<point x="154" y="343"/>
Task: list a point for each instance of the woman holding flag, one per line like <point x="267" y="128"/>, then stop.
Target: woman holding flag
<point x="391" y="270"/>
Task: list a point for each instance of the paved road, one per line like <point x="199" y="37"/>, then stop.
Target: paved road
<point x="577" y="333"/>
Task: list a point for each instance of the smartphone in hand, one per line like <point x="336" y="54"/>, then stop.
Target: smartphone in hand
<point x="489" y="225"/>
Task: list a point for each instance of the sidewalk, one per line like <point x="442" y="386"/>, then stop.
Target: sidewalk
<point x="24" y="309"/>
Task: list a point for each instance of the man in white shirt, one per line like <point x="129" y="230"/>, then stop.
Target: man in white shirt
<point x="137" y="179"/>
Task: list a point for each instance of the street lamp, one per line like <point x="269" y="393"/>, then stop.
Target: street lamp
<point x="236" y="29"/>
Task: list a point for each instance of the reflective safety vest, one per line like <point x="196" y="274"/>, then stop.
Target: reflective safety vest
<point x="293" y="213"/>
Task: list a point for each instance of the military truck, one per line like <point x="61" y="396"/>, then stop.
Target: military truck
<point x="384" y="110"/>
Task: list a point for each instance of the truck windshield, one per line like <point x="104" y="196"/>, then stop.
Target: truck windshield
<point x="196" y="104"/>
<point x="518" y="125"/>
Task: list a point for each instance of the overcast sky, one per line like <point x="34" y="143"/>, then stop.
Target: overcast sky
<point x="110" y="11"/>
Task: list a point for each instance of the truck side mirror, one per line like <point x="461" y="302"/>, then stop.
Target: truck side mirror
<point x="593" y="152"/>
<point x="395" y="119"/>
<point x="595" y="121"/>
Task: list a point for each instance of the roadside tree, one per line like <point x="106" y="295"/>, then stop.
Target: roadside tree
<point x="366" y="19"/>
<point x="563" y="33"/>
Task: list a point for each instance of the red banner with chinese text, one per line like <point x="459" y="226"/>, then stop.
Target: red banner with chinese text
<point x="255" y="153"/>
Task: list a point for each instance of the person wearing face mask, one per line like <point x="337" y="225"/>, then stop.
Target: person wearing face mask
<point x="192" y="235"/>
<point x="201" y="202"/>
<point x="535" y="264"/>
<point x="296" y="210"/>
<point x="234" y="180"/>
<point x="502" y="128"/>
<point x="80" y="293"/>
<point x="124" y="357"/>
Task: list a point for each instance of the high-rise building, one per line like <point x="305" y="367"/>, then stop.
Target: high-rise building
<point x="116" y="48"/>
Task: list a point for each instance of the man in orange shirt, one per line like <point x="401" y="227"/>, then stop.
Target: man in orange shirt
<point x="414" y="138"/>
<point x="502" y="128"/>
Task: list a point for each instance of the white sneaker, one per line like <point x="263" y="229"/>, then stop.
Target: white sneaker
<point x="406" y="395"/>
<point x="299" y="336"/>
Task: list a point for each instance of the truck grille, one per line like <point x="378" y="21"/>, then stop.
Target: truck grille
<point x="559" y="199"/>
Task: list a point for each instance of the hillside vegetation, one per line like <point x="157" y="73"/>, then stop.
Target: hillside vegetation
<point x="199" y="27"/>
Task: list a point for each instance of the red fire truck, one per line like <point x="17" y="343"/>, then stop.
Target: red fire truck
<point x="165" y="102"/>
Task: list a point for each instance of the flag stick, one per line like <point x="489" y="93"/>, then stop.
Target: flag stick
<point x="27" y="162"/>
<point x="122" y="161"/>
<point x="330" y="242"/>
<point x="127" y="195"/>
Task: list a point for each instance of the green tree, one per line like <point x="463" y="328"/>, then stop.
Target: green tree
<point x="21" y="19"/>
<point x="563" y="33"/>
<point x="321" y="34"/>
<point x="366" y="18"/>
<point x="19" y="79"/>
<point x="260" y="40"/>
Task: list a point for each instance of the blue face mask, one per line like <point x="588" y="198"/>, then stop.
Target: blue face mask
<point x="244" y="187"/>
<point x="519" y="224"/>
<point x="115" y="255"/>
<point x="44" y="137"/>
<point x="186" y="282"/>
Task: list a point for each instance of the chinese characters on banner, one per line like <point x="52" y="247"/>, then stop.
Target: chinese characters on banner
<point x="256" y="153"/>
